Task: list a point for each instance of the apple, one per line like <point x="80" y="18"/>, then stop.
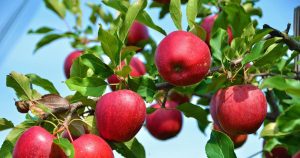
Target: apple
<point x="37" y="142"/>
<point x="208" y="24"/>
<point x="240" y="109"/>
<point x="137" y="69"/>
<point x="120" y="115"/>
<point x="69" y="61"/>
<point x="163" y="1"/>
<point x="164" y="123"/>
<point x="178" y="97"/>
<point x="92" y="146"/>
<point x="182" y="58"/>
<point x="278" y="152"/>
<point x="137" y="33"/>
<point x="238" y="140"/>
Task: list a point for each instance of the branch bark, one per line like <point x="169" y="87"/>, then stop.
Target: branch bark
<point x="273" y="105"/>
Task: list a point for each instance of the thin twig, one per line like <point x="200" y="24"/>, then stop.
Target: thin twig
<point x="273" y="105"/>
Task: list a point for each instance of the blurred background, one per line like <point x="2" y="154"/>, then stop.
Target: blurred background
<point x="16" y="54"/>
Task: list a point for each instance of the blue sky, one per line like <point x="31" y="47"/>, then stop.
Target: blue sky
<point x="48" y="63"/>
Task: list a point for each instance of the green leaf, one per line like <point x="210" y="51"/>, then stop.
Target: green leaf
<point x="145" y="18"/>
<point x="91" y="124"/>
<point x="124" y="72"/>
<point x="270" y="144"/>
<point x="198" y="31"/>
<point x="271" y="130"/>
<point x="46" y="40"/>
<point x="132" y="149"/>
<point x="218" y="41"/>
<point x="219" y="146"/>
<point x="289" y="120"/>
<point x="232" y="15"/>
<point x="290" y="86"/>
<point x="41" y="30"/>
<point x="191" y="12"/>
<point x="5" y="124"/>
<point x="78" y="69"/>
<point x="97" y="65"/>
<point x="255" y="53"/>
<point x="44" y="83"/>
<point x="21" y="85"/>
<point x="176" y="14"/>
<point x="57" y="7"/>
<point x="67" y="147"/>
<point x="144" y="86"/>
<point x="196" y="112"/>
<point x="111" y="45"/>
<point x="151" y="110"/>
<point x="89" y="86"/>
<point x="273" y="53"/>
<point x="11" y="139"/>
<point x="130" y="16"/>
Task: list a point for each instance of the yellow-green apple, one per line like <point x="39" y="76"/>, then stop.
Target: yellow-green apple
<point x="37" y="142"/>
<point x="182" y="58"/>
<point x="69" y="61"/>
<point x="137" y="33"/>
<point x="92" y="146"/>
<point x="208" y="24"/>
<point x="120" y="115"/>
<point x="240" y="109"/>
<point x="137" y="69"/>
<point x="164" y="123"/>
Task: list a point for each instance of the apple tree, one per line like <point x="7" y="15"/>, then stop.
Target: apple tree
<point x="235" y="70"/>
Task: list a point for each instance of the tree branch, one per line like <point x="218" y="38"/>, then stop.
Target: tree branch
<point x="290" y="42"/>
<point x="273" y="105"/>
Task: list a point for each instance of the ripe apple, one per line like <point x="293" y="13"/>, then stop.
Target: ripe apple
<point x="163" y="1"/>
<point x="69" y="61"/>
<point x="241" y="109"/>
<point x="179" y="98"/>
<point x="120" y="115"/>
<point x="238" y="140"/>
<point x="278" y="152"/>
<point x="208" y="24"/>
<point x="164" y="123"/>
<point x="182" y="58"/>
<point x="92" y="146"/>
<point x="137" y="69"/>
<point x="37" y="142"/>
<point x="137" y="33"/>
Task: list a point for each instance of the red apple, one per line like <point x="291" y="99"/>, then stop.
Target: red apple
<point x="238" y="140"/>
<point x="163" y="1"/>
<point x="278" y="152"/>
<point x="137" y="33"/>
<point x="92" y="146"/>
<point x="208" y="24"/>
<point x="69" y="61"/>
<point x="179" y="98"/>
<point x="137" y="69"/>
<point x="182" y="58"/>
<point x="164" y="123"/>
<point x="241" y="109"/>
<point x="120" y="115"/>
<point x="37" y="142"/>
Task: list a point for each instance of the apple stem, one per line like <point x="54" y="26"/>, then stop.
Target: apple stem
<point x="69" y="133"/>
<point x="163" y="105"/>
